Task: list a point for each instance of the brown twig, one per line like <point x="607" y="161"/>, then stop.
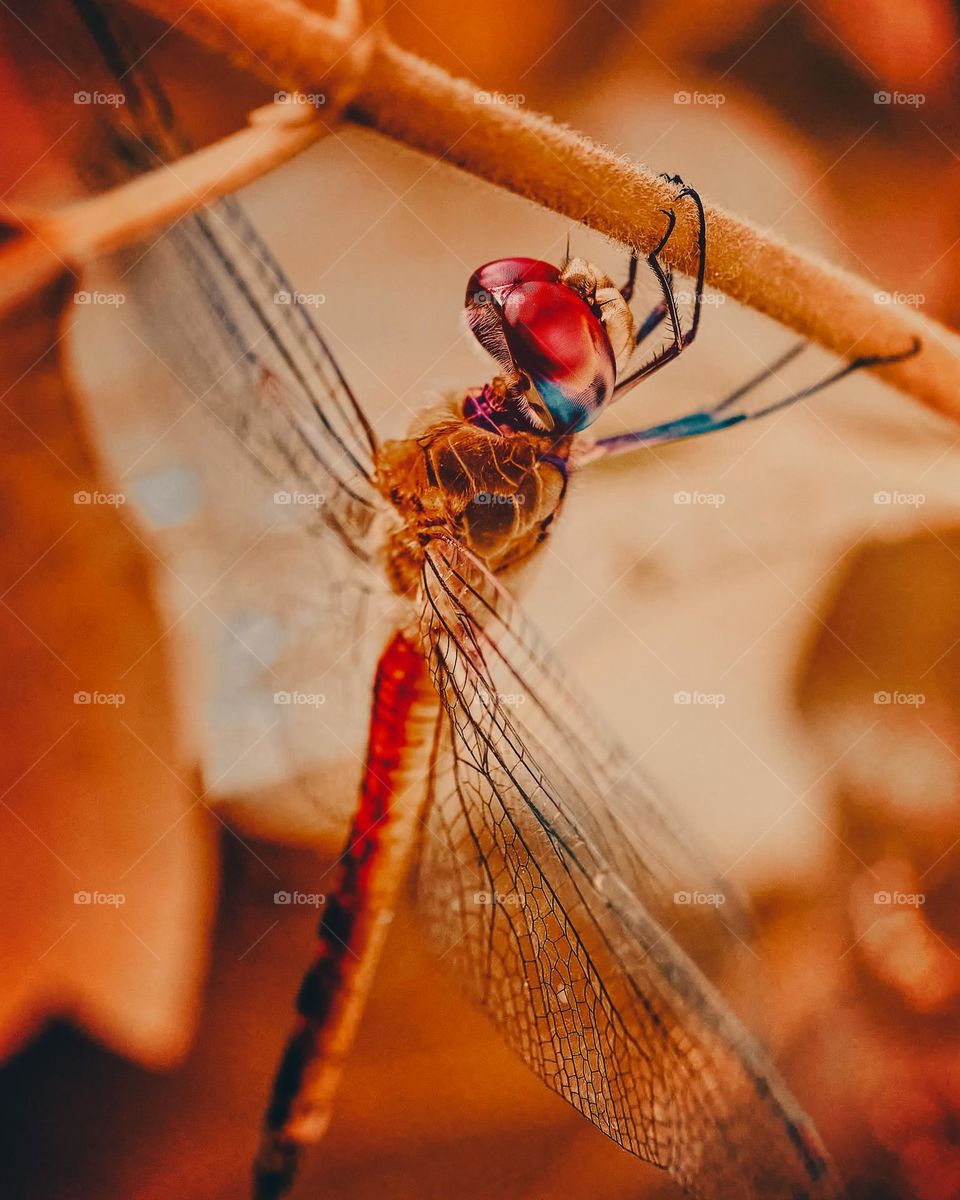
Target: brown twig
<point x="419" y="104"/>
<point x="83" y="231"/>
<point x="75" y="235"/>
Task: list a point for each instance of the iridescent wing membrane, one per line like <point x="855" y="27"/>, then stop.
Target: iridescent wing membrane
<point x="548" y="876"/>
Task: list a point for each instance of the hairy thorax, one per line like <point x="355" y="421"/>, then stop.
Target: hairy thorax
<point x="495" y="492"/>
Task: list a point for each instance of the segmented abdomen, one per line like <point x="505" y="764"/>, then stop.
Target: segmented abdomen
<point x="356" y="916"/>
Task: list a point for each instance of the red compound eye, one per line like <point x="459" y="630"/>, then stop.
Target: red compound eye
<point x="558" y="342"/>
<point x="538" y="328"/>
<point x="493" y="278"/>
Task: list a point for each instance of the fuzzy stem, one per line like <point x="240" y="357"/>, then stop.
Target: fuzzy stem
<point x="419" y="104"/>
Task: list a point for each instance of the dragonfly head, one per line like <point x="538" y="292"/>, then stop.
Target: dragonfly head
<point x="551" y="345"/>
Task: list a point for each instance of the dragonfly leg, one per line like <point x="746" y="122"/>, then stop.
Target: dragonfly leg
<point x="356" y="916"/>
<point x="627" y="290"/>
<point x="709" y="420"/>
<point x="667" y="308"/>
<point x="653" y="320"/>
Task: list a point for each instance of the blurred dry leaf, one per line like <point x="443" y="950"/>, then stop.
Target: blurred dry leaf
<point x="702" y="30"/>
<point x="93" y="798"/>
<point x="897" y="45"/>
<point x="881" y="40"/>
<point x="879" y="689"/>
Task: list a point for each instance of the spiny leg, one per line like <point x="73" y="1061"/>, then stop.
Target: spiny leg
<point x="667" y="309"/>
<point x="653" y="320"/>
<point x="656" y="316"/>
<point x="627" y="290"/>
<point x="701" y="253"/>
<point x="710" y="420"/>
<point x="669" y="304"/>
<point x="356" y="917"/>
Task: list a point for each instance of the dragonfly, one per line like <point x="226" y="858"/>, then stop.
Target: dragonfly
<point x="544" y="866"/>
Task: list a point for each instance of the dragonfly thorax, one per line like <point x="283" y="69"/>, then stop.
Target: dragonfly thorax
<point x="497" y="492"/>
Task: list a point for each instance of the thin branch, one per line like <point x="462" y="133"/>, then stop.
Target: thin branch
<point x="87" y="229"/>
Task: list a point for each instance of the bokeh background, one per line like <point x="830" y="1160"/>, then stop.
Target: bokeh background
<point x="797" y="577"/>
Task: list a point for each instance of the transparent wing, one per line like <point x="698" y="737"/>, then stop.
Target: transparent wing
<point x="208" y="367"/>
<point x="217" y="310"/>
<point x="548" y="876"/>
